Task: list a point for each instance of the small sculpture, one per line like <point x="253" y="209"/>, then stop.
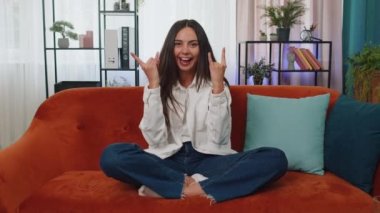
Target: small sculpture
<point x="291" y="58"/>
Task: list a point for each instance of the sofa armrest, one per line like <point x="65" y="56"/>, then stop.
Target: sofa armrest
<point x="27" y="164"/>
<point x="69" y="132"/>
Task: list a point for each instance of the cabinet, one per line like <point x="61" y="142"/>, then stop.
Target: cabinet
<point x="273" y="53"/>
<point x="102" y="16"/>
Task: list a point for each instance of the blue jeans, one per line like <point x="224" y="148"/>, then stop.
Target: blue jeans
<point x="229" y="176"/>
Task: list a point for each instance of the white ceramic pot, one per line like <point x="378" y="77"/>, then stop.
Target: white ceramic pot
<point x="263" y="38"/>
<point x="63" y="43"/>
<point x="274" y="37"/>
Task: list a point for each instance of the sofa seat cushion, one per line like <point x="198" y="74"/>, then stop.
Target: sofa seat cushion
<point x="92" y="191"/>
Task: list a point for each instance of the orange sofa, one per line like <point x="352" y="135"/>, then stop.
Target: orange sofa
<point x="54" y="166"/>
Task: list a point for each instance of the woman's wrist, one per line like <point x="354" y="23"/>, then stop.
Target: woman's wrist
<point x="153" y="85"/>
<point x="217" y="88"/>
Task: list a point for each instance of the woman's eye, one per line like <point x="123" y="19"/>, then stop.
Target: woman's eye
<point x="193" y="44"/>
<point x="177" y="43"/>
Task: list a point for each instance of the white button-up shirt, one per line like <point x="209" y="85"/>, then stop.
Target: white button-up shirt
<point x="201" y="117"/>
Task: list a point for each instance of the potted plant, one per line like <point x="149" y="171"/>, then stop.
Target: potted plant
<point x="63" y="27"/>
<point x="363" y="76"/>
<point x="259" y="71"/>
<point x="284" y="17"/>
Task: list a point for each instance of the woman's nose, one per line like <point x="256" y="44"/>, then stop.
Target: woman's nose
<point x="185" y="48"/>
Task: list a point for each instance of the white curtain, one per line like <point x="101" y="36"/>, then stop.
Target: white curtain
<point x="22" y="74"/>
<point x="21" y="66"/>
<point x="22" y="69"/>
<point x="328" y="15"/>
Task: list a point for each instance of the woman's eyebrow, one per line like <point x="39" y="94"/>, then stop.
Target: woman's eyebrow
<point x="195" y="40"/>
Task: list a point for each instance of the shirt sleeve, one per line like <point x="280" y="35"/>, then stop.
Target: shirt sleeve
<point x="218" y="120"/>
<point x="153" y="125"/>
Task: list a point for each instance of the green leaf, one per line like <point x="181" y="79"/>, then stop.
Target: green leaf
<point x="62" y="28"/>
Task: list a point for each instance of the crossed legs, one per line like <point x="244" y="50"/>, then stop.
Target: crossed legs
<point x="228" y="176"/>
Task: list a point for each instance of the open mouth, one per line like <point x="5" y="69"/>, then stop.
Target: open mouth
<point x="185" y="61"/>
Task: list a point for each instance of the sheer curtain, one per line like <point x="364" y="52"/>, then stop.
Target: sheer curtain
<point x="22" y="70"/>
<point x="328" y="16"/>
<point x="22" y="75"/>
<point x="21" y="66"/>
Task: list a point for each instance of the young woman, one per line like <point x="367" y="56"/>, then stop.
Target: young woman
<point x="187" y="124"/>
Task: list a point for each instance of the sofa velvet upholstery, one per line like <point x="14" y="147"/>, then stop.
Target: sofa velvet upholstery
<point x="54" y="166"/>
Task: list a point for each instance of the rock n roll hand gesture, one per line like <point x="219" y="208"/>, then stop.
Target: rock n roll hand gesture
<point x="150" y="69"/>
<point x="217" y="71"/>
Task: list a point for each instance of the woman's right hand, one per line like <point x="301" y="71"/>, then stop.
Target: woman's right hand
<point x="150" y="69"/>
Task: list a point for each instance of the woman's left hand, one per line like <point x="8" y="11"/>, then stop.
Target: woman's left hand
<point x="217" y="71"/>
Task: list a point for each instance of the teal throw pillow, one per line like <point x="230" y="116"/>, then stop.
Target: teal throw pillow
<point x="294" y="125"/>
<point x="352" y="141"/>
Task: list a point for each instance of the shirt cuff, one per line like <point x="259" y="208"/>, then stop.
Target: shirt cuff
<point x="148" y="93"/>
<point x="218" y="99"/>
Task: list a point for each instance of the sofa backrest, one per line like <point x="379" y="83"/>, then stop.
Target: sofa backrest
<point x="82" y="122"/>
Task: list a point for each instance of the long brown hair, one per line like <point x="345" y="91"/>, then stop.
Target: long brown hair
<point x="169" y="70"/>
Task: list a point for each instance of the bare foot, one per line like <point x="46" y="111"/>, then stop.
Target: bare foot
<point x="188" y="181"/>
<point x="147" y="192"/>
<point x="193" y="189"/>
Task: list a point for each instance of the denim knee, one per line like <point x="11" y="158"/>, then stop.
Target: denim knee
<point x="275" y="156"/>
<point x="109" y="160"/>
<point x="279" y="160"/>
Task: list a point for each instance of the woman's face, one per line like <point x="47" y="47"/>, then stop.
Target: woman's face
<point x="186" y="50"/>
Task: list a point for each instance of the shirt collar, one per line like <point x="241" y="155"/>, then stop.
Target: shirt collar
<point x="178" y="85"/>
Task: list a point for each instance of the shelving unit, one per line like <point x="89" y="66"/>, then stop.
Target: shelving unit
<point x="104" y="13"/>
<point x="317" y="44"/>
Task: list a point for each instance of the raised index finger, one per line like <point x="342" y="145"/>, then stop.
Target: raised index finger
<point x="137" y="59"/>
<point x="210" y="61"/>
<point x="223" y="59"/>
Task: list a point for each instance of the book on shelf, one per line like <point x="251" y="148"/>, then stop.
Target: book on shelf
<point x="124" y="51"/>
<point x="300" y="59"/>
<point x="309" y="58"/>
<point x="111" y="49"/>
<point x="306" y="59"/>
<point x="313" y="59"/>
<point x="127" y="46"/>
<point x="297" y="58"/>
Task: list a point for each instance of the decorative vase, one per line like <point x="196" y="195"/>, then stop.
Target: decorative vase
<point x="283" y="34"/>
<point x="124" y="5"/>
<point x="88" y="39"/>
<point x="116" y="6"/>
<point x="63" y="43"/>
<point x="291" y="58"/>
<point x="273" y="37"/>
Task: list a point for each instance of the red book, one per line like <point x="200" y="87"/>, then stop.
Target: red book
<point x="304" y="60"/>
<point x="310" y="59"/>
<point x="315" y="59"/>
<point x="297" y="57"/>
